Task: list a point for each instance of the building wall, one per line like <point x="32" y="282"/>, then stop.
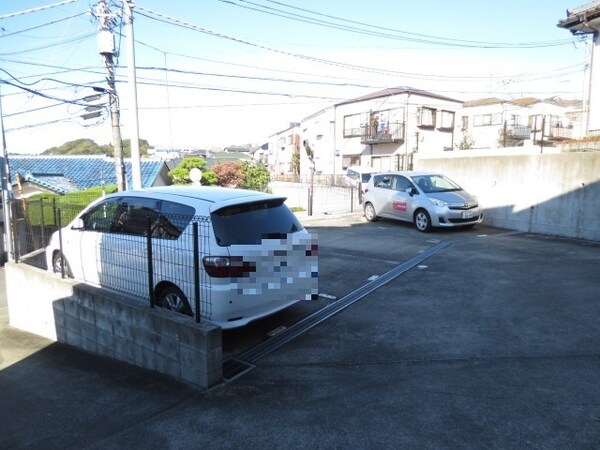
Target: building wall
<point x="490" y="135"/>
<point x="556" y="194"/>
<point x="319" y="131"/>
<point x="282" y="146"/>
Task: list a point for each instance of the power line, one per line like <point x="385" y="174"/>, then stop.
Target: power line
<point x="408" y="36"/>
<point x="40" y="8"/>
<point x="43" y="25"/>
<point x="46" y="96"/>
<point x="246" y="77"/>
<point x="183" y="24"/>
<point x="45" y="47"/>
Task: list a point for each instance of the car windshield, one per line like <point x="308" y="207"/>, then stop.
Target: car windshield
<point x="435" y="183"/>
<point x="250" y="223"/>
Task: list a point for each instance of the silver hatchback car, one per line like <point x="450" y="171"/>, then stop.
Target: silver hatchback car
<point x="427" y="199"/>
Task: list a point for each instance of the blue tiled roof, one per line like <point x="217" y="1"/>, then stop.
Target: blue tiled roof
<point x="56" y="183"/>
<point x="63" y="174"/>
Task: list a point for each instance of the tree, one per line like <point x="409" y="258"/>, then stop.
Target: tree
<point x="296" y="163"/>
<point x="89" y="147"/>
<point x="256" y="177"/>
<point x="229" y="174"/>
<point x="78" y="147"/>
<point x="144" y="147"/>
<point x="181" y="173"/>
<point x="467" y="142"/>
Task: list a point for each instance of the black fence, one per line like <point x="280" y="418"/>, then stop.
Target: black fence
<point x="149" y="255"/>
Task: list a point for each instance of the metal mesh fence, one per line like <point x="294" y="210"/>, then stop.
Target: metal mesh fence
<point x="162" y="251"/>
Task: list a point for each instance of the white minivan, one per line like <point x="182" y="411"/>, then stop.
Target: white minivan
<point x="254" y="256"/>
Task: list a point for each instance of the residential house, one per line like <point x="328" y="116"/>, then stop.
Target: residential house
<point x="386" y="128"/>
<point x="261" y="155"/>
<point x="33" y="174"/>
<point x="284" y="151"/>
<point x="581" y="21"/>
<point x="318" y="133"/>
<point x="227" y="156"/>
<point x="524" y="122"/>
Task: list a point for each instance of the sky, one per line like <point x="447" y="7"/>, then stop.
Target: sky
<point x="215" y="73"/>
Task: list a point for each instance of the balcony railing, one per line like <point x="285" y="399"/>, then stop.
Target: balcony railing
<point x="560" y="133"/>
<point x="392" y="132"/>
<point x="520" y="132"/>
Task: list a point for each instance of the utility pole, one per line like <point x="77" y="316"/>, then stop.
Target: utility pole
<point x="136" y="172"/>
<point x="6" y="191"/>
<point x="543" y="129"/>
<point x="311" y="158"/>
<point x="106" y="47"/>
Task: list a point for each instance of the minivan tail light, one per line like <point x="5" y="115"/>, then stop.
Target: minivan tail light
<point x="313" y="250"/>
<point x="227" y="267"/>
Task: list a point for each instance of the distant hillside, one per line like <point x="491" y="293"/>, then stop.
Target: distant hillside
<point x="89" y="147"/>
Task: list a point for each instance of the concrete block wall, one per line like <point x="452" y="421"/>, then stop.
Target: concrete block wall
<point x="113" y="325"/>
<point x="555" y="194"/>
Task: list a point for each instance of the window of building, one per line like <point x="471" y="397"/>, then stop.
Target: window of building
<point x="350" y="160"/>
<point x="354" y="125"/>
<point x="426" y="117"/>
<point x="486" y="120"/>
<point x="465" y="122"/>
<point x="447" y="120"/>
<point x="535" y="122"/>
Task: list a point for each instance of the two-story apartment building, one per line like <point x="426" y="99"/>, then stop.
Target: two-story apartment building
<point x="284" y="151"/>
<point x="494" y="123"/>
<point x="386" y="128"/>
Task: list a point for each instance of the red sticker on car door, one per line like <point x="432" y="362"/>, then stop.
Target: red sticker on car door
<point x="399" y="205"/>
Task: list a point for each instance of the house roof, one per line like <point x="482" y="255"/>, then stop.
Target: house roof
<point x="525" y="101"/>
<point x="397" y="91"/>
<point x="483" y="102"/>
<point x="53" y="182"/>
<point x="63" y="174"/>
<point x="221" y="157"/>
<point x="579" y="20"/>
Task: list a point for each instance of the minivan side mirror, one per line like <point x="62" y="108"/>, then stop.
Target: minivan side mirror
<point x="412" y="191"/>
<point x="77" y="224"/>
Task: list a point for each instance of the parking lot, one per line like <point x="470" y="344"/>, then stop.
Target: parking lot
<point x="479" y="338"/>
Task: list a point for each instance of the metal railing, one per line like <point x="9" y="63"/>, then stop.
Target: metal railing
<point x="392" y="132"/>
<point x="134" y="263"/>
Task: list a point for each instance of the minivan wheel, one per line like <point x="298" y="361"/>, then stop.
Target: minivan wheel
<point x="370" y="213"/>
<point x="171" y="297"/>
<point x="422" y="221"/>
<point x="57" y="260"/>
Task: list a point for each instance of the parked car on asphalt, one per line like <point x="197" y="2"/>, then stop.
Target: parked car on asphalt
<point x="255" y="258"/>
<point x="428" y="199"/>
<point x="356" y="175"/>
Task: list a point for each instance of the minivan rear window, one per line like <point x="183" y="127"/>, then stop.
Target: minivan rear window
<point x="249" y="223"/>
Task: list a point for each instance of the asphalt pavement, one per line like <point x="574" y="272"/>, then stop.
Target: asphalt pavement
<point x="479" y="338"/>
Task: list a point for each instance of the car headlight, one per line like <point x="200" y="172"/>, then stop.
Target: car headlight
<point x="438" y="202"/>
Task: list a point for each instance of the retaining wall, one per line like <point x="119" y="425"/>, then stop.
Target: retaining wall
<point x="555" y="194"/>
<point x="110" y="324"/>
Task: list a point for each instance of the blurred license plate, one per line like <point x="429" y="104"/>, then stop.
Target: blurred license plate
<point x="467" y="215"/>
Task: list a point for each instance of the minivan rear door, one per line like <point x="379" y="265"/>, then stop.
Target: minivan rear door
<point x="277" y="255"/>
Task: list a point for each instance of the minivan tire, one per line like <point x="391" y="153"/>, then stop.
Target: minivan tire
<point x="56" y="264"/>
<point x="171" y="297"/>
<point x="422" y="221"/>
<point x="370" y="213"/>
